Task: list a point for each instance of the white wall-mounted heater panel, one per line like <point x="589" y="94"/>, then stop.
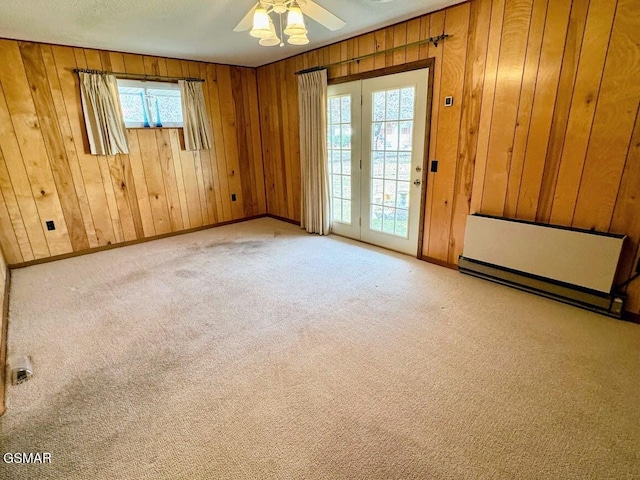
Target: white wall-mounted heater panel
<point x="572" y="265"/>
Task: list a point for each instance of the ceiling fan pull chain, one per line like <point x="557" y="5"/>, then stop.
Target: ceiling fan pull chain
<point x="281" y="34"/>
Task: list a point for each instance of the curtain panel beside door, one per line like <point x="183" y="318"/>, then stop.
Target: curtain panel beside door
<point x="315" y="209"/>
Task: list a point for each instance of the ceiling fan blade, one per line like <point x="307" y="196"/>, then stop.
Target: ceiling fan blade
<point x="321" y="15"/>
<point x="247" y="22"/>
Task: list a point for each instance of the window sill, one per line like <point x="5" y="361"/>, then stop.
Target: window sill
<point x="152" y="128"/>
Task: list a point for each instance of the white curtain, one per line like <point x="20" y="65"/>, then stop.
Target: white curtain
<point x="314" y="174"/>
<point x="102" y="114"/>
<point x="197" y="130"/>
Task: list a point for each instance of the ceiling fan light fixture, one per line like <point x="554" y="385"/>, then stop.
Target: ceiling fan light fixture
<point x="279" y="6"/>
<point x="261" y="21"/>
<point x="272" y="40"/>
<point x="295" y="21"/>
<point x="298" y="39"/>
<point x="269" y="41"/>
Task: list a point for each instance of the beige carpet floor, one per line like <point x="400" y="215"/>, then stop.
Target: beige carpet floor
<point x="255" y="351"/>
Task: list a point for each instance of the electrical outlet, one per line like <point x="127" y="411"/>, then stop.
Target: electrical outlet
<point x="233" y="197"/>
<point x="50" y="225"/>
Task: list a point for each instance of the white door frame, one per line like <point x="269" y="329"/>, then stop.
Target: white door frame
<point x="351" y="230"/>
<point x="417" y="78"/>
<point x="416" y="65"/>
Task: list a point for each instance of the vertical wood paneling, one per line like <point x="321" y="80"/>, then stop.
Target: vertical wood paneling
<point x="366" y="45"/>
<point x="545" y="100"/>
<point x="294" y="142"/>
<point x="515" y="29"/>
<point x="243" y="145"/>
<point x="379" y="61"/>
<point x="15" y="184"/>
<point x="25" y="253"/>
<point x="154" y="180"/>
<point x="453" y="66"/>
<point x="8" y="238"/>
<point x="163" y="141"/>
<point x="220" y="142"/>
<point x="28" y="133"/>
<point x="252" y="116"/>
<point x="46" y="172"/>
<point x="613" y="122"/>
<point x="56" y="76"/>
<point x="228" y="115"/>
<point x="400" y="39"/>
<point x="626" y="216"/>
<point x="117" y="166"/>
<point x="208" y="161"/>
<point x="479" y="20"/>
<point x="140" y="182"/>
<point x="582" y="110"/>
<point x="52" y="135"/>
<point x="543" y="107"/>
<point x="266" y="129"/>
<point x="283" y="72"/>
<point x="523" y="121"/>
<point x="573" y="44"/>
<point x="413" y="35"/>
<point x="177" y="168"/>
<point x="486" y="110"/>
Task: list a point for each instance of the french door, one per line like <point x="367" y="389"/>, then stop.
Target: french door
<point x="376" y="132"/>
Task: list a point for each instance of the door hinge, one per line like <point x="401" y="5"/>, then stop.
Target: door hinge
<point x="360" y="100"/>
<point x="360" y="164"/>
<point x="360" y="221"/>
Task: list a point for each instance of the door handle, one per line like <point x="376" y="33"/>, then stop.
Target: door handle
<point x="417" y="182"/>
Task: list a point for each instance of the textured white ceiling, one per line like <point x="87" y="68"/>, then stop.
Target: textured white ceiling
<point x="189" y="29"/>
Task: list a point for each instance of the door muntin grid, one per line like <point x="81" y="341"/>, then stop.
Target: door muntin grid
<point x="339" y="135"/>
<point x="392" y="126"/>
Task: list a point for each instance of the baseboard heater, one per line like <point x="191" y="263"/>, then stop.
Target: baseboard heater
<point x="568" y="264"/>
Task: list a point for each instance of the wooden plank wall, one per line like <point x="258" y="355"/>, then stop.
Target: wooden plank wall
<point x="544" y="124"/>
<point x="47" y="174"/>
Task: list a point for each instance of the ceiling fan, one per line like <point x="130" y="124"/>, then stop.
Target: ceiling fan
<point x="260" y="20"/>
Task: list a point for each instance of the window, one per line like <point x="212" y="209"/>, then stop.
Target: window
<point x="339" y="153"/>
<point x="150" y="104"/>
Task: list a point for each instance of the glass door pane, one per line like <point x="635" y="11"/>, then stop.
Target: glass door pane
<point x="393" y="123"/>
<point x="343" y="151"/>
<point x="391" y="140"/>
<point x="339" y="151"/>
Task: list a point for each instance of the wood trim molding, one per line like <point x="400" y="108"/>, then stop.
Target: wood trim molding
<point x="441" y="263"/>
<point x="405" y="67"/>
<point x="283" y="219"/>
<point x="631" y="317"/>
<point x="425" y="159"/>
<point x="132" y="242"/>
<point x="4" y="329"/>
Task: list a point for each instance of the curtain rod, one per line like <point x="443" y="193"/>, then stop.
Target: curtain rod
<point x="434" y="40"/>
<point x="134" y="76"/>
